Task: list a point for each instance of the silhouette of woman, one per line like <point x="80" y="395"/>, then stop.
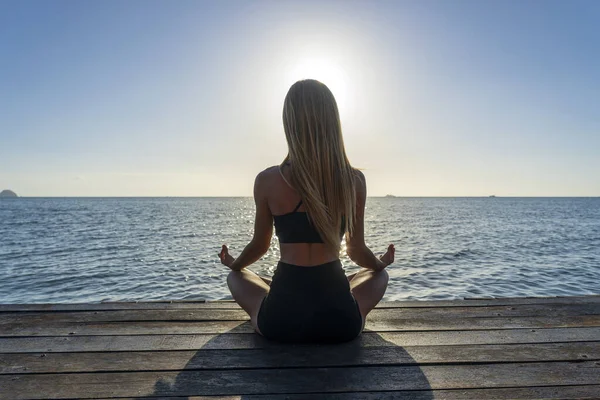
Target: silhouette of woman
<point x="313" y="198"/>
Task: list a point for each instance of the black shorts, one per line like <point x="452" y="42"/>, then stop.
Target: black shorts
<point x="310" y="304"/>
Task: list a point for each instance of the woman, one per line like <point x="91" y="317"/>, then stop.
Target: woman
<point x="314" y="197"/>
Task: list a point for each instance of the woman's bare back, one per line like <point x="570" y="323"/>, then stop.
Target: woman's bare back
<point x="282" y="199"/>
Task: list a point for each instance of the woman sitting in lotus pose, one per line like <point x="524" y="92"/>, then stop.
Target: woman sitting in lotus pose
<point x="314" y="198"/>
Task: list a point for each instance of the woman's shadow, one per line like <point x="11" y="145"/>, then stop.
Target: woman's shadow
<point x="245" y="365"/>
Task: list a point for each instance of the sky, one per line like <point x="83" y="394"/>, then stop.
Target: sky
<point x="162" y="98"/>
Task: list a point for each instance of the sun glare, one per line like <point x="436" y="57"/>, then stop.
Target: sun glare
<point x="326" y="72"/>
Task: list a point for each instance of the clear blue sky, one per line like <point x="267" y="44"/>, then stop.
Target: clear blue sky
<point x="161" y="98"/>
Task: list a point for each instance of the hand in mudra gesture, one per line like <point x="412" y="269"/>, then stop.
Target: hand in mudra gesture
<point x="388" y="257"/>
<point x="226" y="258"/>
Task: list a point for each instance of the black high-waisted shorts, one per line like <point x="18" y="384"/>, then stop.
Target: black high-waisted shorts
<point x="310" y="304"/>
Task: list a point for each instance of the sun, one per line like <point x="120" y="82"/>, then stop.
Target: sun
<point x="324" y="71"/>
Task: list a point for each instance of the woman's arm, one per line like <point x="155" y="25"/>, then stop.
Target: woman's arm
<point x="355" y="245"/>
<point x="263" y="230"/>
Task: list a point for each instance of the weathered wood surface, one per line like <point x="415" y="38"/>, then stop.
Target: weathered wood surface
<point x="184" y="304"/>
<point x="536" y="310"/>
<point x="59" y="328"/>
<point x="232" y="341"/>
<point x="294" y="357"/>
<point x="299" y="380"/>
<point x="459" y="349"/>
<point x="543" y="392"/>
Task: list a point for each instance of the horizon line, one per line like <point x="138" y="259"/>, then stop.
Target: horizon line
<point x="249" y="197"/>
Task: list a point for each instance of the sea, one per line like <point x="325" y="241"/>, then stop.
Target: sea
<point x="56" y="250"/>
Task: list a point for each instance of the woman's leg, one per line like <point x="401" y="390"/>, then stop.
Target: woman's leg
<point x="351" y="276"/>
<point x="266" y="280"/>
<point x="248" y="290"/>
<point x="368" y="288"/>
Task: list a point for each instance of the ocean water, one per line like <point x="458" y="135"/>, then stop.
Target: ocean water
<point x="127" y="249"/>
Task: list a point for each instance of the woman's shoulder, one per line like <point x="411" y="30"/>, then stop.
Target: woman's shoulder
<point x="358" y="174"/>
<point x="269" y="172"/>
<point x="268" y="175"/>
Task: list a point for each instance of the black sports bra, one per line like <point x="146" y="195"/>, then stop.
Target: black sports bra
<point x="295" y="227"/>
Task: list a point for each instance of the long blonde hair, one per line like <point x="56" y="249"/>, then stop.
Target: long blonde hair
<point x="320" y="169"/>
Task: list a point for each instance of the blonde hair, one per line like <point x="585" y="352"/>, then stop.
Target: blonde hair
<point x="320" y="169"/>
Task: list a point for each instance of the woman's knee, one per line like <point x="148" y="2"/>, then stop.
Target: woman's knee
<point x="232" y="276"/>
<point x="385" y="276"/>
<point x="381" y="274"/>
<point x="381" y="278"/>
<point x="368" y="277"/>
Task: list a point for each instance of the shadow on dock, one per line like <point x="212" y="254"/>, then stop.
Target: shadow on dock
<point x="249" y="366"/>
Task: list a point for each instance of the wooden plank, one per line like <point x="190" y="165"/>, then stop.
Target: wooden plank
<point x="293" y="380"/>
<point x="62" y="344"/>
<point x="538" y="393"/>
<point x="425" y="324"/>
<point x="127" y="316"/>
<point x="553" y="310"/>
<point x="231" y="305"/>
<point x="71" y="307"/>
<point x="348" y="354"/>
<point x="192" y="327"/>
<point x="125" y="328"/>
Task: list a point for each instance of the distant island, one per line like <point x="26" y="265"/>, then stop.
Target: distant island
<point x="389" y="195"/>
<point x="8" y="193"/>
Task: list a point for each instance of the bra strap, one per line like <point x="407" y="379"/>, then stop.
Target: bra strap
<point x="298" y="206"/>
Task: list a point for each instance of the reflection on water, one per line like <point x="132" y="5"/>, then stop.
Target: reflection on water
<point x="93" y="249"/>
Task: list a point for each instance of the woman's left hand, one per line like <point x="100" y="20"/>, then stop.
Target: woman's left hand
<point x="388" y="257"/>
<point x="226" y="258"/>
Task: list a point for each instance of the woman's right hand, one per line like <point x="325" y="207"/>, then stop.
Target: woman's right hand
<point x="388" y="257"/>
<point x="226" y="258"/>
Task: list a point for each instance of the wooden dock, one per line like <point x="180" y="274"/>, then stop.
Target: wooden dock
<point x="466" y="349"/>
